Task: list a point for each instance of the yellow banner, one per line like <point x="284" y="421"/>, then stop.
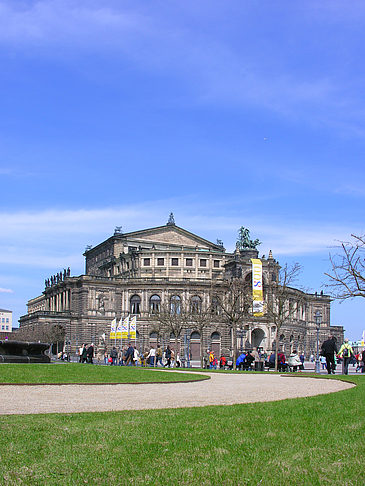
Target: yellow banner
<point x="257" y="289"/>
<point x="125" y="328"/>
<point x="133" y="327"/>
<point x="119" y="329"/>
<point x="112" y="329"/>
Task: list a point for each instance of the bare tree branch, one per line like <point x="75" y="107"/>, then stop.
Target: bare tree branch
<point x="347" y="275"/>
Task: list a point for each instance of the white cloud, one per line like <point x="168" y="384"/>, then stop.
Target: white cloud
<point x="56" y="239"/>
<point x="6" y="291"/>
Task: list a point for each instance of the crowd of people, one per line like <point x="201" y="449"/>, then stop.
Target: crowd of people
<point x="330" y="356"/>
<point x="254" y="359"/>
<point x="130" y="356"/>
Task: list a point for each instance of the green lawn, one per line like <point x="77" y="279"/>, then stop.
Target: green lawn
<point x="85" y="373"/>
<point x="307" y="441"/>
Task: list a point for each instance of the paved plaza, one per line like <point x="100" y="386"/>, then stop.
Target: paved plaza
<point x="221" y="389"/>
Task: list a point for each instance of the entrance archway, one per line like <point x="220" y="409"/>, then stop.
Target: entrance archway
<point x="257" y="338"/>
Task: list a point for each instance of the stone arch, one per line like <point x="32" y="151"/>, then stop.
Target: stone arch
<point x="135" y="304"/>
<point x="155" y="303"/>
<point x="195" y="343"/>
<point x="175" y="304"/>
<point x="215" y="346"/>
<point x="258" y="337"/>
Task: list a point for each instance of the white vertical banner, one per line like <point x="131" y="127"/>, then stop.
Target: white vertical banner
<point x="112" y="328"/>
<point x="119" y="329"/>
<point x="257" y="292"/>
<point x="133" y="327"/>
<point x="125" y="328"/>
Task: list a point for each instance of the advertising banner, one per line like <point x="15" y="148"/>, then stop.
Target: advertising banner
<point x="125" y="328"/>
<point x="257" y="290"/>
<point x="112" y="328"/>
<point x="133" y="327"/>
<point x="119" y="329"/>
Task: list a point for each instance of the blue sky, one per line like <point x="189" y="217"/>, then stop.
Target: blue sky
<point x="227" y="113"/>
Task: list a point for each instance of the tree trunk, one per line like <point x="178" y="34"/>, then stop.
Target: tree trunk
<point x="234" y="333"/>
<point x="276" y="348"/>
<point x="201" y="351"/>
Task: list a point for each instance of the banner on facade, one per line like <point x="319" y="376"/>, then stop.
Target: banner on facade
<point x="119" y="329"/>
<point x="257" y="291"/>
<point x="125" y="328"/>
<point x="133" y="327"/>
<point x="112" y="328"/>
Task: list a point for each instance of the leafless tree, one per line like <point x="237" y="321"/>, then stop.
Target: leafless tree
<point x="282" y="300"/>
<point x="347" y="275"/>
<point x="200" y="318"/>
<point x="172" y="318"/>
<point x="234" y="299"/>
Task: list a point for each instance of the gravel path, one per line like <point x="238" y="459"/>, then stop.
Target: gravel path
<point x="221" y="389"/>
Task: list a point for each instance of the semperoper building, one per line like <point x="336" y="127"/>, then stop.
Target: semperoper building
<point x="140" y="272"/>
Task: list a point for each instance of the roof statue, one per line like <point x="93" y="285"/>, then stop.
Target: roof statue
<point x="171" y="221"/>
<point x="118" y="230"/>
<point x="244" y="242"/>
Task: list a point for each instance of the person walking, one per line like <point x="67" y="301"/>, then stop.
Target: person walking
<point x="168" y="356"/>
<point x="152" y="356"/>
<point x="135" y="356"/>
<point x="130" y="355"/>
<point x="90" y="353"/>
<point x="84" y="354"/>
<point x="211" y="359"/>
<point x="81" y="349"/>
<point x="363" y="361"/>
<point x="328" y="350"/>
<point x="114" y="356"/>
<point x="159" y="354"/>
<point x="346" y="353"/>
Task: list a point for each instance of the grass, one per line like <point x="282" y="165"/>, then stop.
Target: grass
<point x="307" y="441"/>
<point x="85" y="373"/>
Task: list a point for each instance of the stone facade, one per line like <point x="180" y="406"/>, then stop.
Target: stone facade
<point x="138" y="273"/>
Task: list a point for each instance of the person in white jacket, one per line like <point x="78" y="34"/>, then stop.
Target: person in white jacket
<point x="136" y="356"/>
<point x="294" y="360"/>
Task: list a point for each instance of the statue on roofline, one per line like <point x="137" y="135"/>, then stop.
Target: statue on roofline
<point x="171" y="221"/>
<point x="244" y="242"/>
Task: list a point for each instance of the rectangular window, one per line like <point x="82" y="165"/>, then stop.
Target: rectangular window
<point x="160" y="262"/>
<point x="174" y="262"/>
<point x="2" y="328"/>
<point x="216" y="263"/>
<point x="3" y="319"/>
<point x="203" y="262"/>
<point x="7" y="328"/>
<point x="7" y="319"/>
<point x="189" y="262"/>
<point x="147" y="262"/>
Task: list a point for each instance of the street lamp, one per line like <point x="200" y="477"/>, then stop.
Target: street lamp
<point x="318" y="318"/>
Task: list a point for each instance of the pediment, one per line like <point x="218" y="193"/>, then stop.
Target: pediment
<point x="173" y="235"/>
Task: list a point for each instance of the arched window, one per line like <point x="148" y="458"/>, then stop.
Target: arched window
<point x="196" y="304"/>
<point x="155" y="304"/>
<point x="215" y="343"/>
<point x="195" y="335"/>
<point x="153" y="335"/>
<point x="282" y="337"/>
<point x="175" y="304"/>
<point x="215" y="337"/>
<point x="135" y="304"/>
